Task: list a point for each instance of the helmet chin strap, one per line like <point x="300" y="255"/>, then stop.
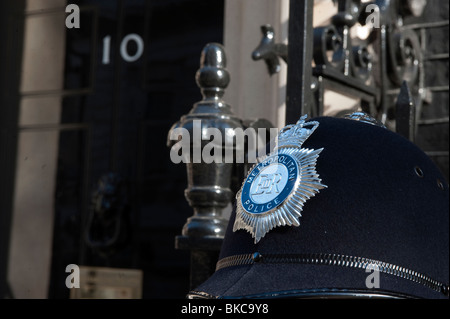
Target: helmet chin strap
<point x="334" y="260"/>
<point x="324" y="293"/>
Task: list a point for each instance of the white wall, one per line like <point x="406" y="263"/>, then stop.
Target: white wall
<point x="252" y="93"/>
<point x="32" y="221"/>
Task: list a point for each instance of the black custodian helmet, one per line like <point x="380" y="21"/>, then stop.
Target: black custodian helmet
<point x="349" y="210"/>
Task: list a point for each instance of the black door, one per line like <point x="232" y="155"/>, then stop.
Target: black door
<point x="129" y="75"/>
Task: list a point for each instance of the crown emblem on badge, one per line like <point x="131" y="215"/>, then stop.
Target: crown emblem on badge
<point x="277" y="187"/>
<point x="296" y="135"/>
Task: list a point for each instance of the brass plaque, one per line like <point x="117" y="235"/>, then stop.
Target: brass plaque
<point x="108" y="283"/>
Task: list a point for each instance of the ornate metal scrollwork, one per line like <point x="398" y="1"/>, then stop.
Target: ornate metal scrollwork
<point x="368" y="68"/>
<point x="405" y="57"/>
<point x="328" y="48"/>
<point x="400" y="57"/>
